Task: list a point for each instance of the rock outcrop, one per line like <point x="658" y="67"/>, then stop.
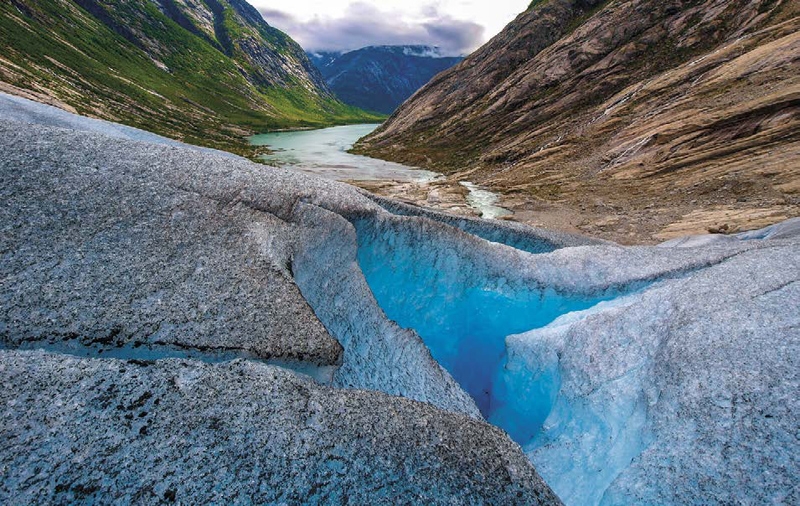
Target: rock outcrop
<point x="635" y="120"/>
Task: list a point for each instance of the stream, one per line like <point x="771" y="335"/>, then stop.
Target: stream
<point x="324" y="152"/>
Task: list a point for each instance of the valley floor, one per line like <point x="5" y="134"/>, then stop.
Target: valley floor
<point x="626" y="219"/>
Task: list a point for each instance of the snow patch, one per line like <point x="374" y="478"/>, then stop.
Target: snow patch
<point x="422" y="51"/>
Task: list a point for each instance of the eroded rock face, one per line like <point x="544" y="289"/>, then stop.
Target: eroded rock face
<point x="640" y="120"/>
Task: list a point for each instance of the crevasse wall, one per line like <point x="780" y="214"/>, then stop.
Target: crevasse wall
<point x="378" y="354"/>
<point x="462" y="310"/>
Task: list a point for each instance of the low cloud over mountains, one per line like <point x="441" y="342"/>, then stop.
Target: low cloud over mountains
<point x="363" y="25"/>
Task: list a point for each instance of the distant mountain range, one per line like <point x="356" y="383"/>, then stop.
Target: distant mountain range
<point x="380" y="78"/>
<point x="207" y="72"/>
<point x="629" y="117"/>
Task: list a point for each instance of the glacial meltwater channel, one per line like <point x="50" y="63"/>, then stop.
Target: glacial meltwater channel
<point x="471" y="313"/>
<point x="464" y="312"/>
<point x="485" y="201"/>
<point x="324" y="152"/>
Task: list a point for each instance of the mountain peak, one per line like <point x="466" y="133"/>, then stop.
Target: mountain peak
<point x="380" y="78"/>
<point x="418" y="50"/>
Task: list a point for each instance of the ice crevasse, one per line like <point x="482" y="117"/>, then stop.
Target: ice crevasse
<point x="589" y="356"/>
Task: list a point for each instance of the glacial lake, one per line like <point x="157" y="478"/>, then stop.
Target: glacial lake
<point x="324" y="152"/>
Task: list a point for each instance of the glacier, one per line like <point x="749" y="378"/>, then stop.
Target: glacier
<point x="689" y="387"/>
<point x="172" y="307"/>
<point x="462" y="314"/>
<point x="155" y="345"/>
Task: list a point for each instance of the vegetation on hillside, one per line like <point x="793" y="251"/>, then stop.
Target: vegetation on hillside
<point x="162" y="70"/>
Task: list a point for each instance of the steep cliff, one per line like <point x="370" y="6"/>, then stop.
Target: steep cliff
<point x="380" y="78"/>
<point x="204" y="71"/>
<point x="634" y="119"/>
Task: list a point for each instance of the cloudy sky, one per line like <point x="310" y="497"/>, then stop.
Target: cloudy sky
<point x="456" y="26"/>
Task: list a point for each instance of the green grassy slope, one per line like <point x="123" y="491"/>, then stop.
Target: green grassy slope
<point x="164" y="70"/>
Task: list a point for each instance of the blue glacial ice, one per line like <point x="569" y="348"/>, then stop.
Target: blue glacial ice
<point x="464" y="315"/>
<point x="584" y="442"/>
<point x="599" y="360"/>
<point x="378" y="354"/>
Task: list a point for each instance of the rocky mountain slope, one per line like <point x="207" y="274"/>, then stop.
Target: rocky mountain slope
<point x="380" y="78"/>
<point x="205" y="71"/>
<point x="177" y="325"/>
<point x="629" y="119"/>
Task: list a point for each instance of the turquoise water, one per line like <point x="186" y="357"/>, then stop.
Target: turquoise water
<point x="324" y="152"/>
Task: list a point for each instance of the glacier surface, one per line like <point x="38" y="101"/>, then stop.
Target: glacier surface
<point x="628" y="375"/>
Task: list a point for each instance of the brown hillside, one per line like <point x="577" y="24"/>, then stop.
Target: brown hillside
<point x="634" y="120"/>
